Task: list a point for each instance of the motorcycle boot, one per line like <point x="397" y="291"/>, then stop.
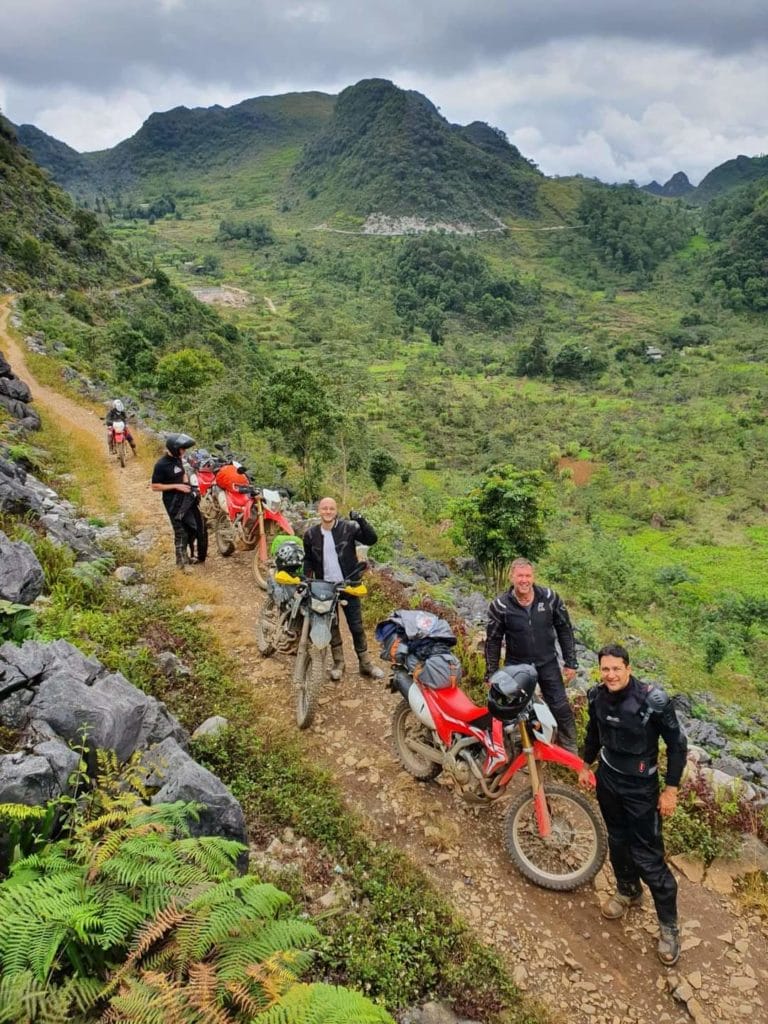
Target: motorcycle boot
<point x="182" y="559"/>
<point x="618" y="904"/>
<point x="668" y="948"/>
<point x="338" y="667"/>
<point x="367" y="668"/>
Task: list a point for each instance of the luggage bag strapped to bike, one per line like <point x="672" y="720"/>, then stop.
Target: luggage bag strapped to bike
<point x="420" y="642"/>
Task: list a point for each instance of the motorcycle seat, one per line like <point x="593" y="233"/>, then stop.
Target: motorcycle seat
<point x="457" y="704"/>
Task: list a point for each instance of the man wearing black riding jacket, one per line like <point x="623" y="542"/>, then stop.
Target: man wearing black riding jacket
<point x="330" y="554"/>
<point x="170" y="478"/>
<point x="528" y="618"/>
<point x="626" y="720"/>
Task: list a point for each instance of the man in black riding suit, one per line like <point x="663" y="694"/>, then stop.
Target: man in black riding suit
<point x="117" y="412"/>
<point x="170" y="478"/>
<point x="330" y="554"/>
<point x="528" y="619"/>
<point x="626" y="720"/>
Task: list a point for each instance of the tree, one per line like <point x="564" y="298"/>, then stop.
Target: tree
<point x="533" y="360"/>
<point x="381" y="466"/>
<point x="502" y="519"/>
<point x="185" y="372"/>
<point x="296" y="403"/>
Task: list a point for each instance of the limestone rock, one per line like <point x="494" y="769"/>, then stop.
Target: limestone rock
<point x="21" y="575"/>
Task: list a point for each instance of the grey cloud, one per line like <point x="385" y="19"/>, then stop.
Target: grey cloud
<point x="94" y="45"/>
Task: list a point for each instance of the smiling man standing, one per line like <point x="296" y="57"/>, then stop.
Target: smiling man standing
<point x="330" y="553"/>
<point x="626" y="720"/>
<point x="528" y="619"/>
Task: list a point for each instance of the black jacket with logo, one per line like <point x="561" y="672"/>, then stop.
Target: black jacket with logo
<point x="346" y="534"/>
<point x="529" y="631"/>
<point x="625" y="727"/>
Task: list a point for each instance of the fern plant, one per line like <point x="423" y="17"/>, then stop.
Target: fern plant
<point x="130" y="919"/>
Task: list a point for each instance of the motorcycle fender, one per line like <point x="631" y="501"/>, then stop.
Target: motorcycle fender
<point x="546" y="721"/>
<point x="419" y="707"/>
<point x="320" y="632"/>
<point x="279" y="518"/>
<point x="221" y="497"/>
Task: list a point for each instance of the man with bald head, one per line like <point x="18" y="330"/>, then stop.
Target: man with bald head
<point x="330" y="553"/>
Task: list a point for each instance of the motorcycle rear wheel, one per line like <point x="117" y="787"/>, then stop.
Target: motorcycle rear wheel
<point x="225" y="536"/>
<point x="404" y="725"/>
<point x="267" y="627"/>
<point x="308" y="676"/>
<point x="576" y="848"/>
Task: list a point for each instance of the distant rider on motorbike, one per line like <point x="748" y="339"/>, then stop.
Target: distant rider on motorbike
<point x="118" y="414"/>
<point x="329" y="554"/>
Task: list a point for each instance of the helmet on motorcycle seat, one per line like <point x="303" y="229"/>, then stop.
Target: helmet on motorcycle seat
<point x="511" y="691"/>
<point x="118" y="406"/>
<point x="176" y="442"/>
<point x="289" y="557"/>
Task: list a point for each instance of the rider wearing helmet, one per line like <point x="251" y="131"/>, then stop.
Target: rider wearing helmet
<point x="170" y="478"/>
<point x="117" y="412"/>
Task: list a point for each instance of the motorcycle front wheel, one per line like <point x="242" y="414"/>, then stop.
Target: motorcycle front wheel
<point x="261" y="569"/>
<point x="405" y="727"/>
<point x="574" y="851"/>
<point x="121" y="453"/>
<point x="267" y="628"/>
<point x="308" y="676"/>
<point x="225" y="536"/>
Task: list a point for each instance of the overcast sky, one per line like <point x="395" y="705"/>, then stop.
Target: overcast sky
<point x="617" y="89"/>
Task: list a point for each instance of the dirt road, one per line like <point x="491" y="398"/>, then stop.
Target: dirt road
<point x="587" y="970"/>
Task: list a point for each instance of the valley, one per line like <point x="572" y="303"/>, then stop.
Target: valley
<point x="555" y="946"/>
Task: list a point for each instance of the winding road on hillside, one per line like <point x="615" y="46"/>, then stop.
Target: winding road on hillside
<point x="585" y="969"/>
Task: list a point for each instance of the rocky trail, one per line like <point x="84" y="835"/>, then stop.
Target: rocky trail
<point x="584" y="969"/>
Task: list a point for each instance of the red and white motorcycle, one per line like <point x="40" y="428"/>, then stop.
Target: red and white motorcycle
<point x="554" y="834"/>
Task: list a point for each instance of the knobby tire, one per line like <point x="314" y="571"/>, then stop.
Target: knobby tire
<point x="121" y="453"/>
<point x="266" y="627"/>
<point x="224" y="542"/>
<point x="574" y="852"/>
<point x="308" y="679"/>
<point x="405" y="724"/>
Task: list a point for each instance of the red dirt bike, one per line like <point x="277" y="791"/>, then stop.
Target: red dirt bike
<point x="248" y="517"/>
<point x="117" y="440"/>
<point x="554" y="834"/>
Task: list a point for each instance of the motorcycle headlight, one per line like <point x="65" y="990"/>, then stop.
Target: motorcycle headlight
<point x="321" y="607"/>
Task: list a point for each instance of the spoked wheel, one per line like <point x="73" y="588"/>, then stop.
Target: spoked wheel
<point x="121" y="453"/>
<point x="574" y="851"/>
<point x="308" y="677"/>
<point x="406" y="728"/>
<point x="267" y="627"/>
<point x="225" y="536"/>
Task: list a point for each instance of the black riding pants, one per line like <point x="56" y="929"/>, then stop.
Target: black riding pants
<point x="635" y="844"/>
<point x="553" y="691"/>
<point x="353" y="612"/>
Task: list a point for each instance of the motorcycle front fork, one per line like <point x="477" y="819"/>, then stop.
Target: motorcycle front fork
<point x="543" y="819"/>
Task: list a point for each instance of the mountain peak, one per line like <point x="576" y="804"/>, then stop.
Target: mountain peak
<point x="677" y="186"/>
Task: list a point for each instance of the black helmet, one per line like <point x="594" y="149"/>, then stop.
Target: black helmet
<point x="175" y="442"/>
<point x="289" y="557"/>
<point x="511" y="691"/>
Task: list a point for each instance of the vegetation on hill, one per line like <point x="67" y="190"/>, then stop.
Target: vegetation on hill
<point x="45" y="240"/>
<point x="729" y="175"/>
<point x="388" y="150"/>
<point x="739" y="221"/>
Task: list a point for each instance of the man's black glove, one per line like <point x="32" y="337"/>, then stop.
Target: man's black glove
<point x="355" y="516"/>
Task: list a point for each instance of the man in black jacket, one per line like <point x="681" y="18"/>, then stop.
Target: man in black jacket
<point x="626" y="720"/>
<point x="330" y="554"/>
<point x="528" y="619"/>
<point x="169" y="477"/>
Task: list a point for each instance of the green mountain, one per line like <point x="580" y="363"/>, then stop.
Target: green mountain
<point x="176" y="148"/>
<point x="730" y="175"/>
<point x="388" y="150"/>
<point x="45" y="239"/>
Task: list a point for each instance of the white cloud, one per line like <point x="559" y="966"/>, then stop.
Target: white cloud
<point x="602" y="88"/>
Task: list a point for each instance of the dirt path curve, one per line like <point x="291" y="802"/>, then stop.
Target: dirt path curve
<point x="585" y="969"/>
